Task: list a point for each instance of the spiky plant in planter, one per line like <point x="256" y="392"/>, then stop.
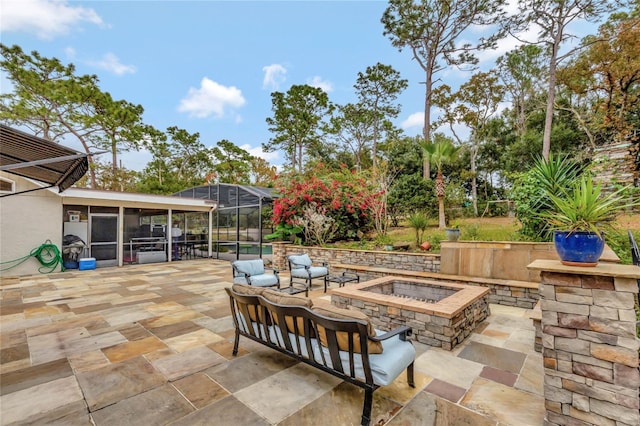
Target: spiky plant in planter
<point x="579" y="216"/>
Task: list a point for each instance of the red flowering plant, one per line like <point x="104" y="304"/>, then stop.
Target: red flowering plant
<point x="347" y="197"/>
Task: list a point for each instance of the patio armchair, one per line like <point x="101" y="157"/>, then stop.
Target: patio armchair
<point x="635" y="255"/>
<point x="252" y="272"/>
<point x="301" y="267"/>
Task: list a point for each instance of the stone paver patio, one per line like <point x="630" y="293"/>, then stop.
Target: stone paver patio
<point x="151" y="344"/>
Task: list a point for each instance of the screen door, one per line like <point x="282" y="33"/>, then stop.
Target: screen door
<point x="104" y="238"/>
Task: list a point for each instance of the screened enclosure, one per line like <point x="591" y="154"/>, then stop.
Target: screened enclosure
<point x="241" y="220"/>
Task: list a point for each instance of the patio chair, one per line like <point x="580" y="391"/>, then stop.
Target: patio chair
<point x="635" y="255"/>
<point x="302" y="268"/>
<point x="252" y="272"/>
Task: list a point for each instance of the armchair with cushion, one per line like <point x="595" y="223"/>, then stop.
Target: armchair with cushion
<point x="252" y="272"/>
<point x="635" y="256"/>
<point x="301" y="267"/>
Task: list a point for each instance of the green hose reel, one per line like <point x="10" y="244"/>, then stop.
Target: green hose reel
<point x="47" y="254"/>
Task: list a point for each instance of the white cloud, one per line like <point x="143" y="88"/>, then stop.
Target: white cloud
<point x="211" y="99"/>
<point x="318" y="82"/>
<point x="111" y="63"/>
<point x="44" y="18"/>
<point x="258" y="152"/>
<point x="507" y="44"/>
<point x="70" y="52"/>
<point x="274" y="76"/>
<point x="414" y="120"/>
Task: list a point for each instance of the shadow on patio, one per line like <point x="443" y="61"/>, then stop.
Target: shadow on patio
<point x="151" y="344"/>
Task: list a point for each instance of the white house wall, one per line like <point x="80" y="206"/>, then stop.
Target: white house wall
<point x="26" y="222"/>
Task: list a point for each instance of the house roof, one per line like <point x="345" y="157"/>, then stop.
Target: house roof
<point x="98" y="197"/>
<point x="32" y="157"/>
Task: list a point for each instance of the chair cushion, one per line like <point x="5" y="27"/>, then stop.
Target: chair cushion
<point x="250" y="267"/>
<point x="343" y="338"/>
<point x="313" y="272"/>
<point x="300" y="260"/>
<point x="240" y="280"/>
<point x="264" y="280"/>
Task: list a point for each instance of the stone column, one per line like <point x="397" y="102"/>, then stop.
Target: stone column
<point x="590" y="348"/>
<point x="279" y="255"/>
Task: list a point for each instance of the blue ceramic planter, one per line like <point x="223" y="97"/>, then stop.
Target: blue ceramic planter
<point x="578" y="248"/>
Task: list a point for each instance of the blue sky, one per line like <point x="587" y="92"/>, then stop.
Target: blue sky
<point x="210" y="66"/>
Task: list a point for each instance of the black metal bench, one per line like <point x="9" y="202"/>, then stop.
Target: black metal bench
<point x="337" y="346"/>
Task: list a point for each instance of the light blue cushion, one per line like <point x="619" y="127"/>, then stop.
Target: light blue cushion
<point x="240" y="280"/>
<point x="300" y="260"/>
<point x="314" y="272"/>
<point x="258" y="329"/>
<point x="264" y="280"/>
<point x="396" y="356"/>
<point x="250" y="267"/>
<point x="300" y="348"/>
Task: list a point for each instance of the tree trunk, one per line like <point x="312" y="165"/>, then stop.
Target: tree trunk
<point x="300" y="159"/>
<point x="442" y="221"/>
<point x="92" y="172"/>
<point x="426" y="130"/>
<point x="440" y="193"/>
<point x="114" y="157"/>
<point x="474" y="181"/>
<point x="551" y="96"/>
<point x="374" y="148"/>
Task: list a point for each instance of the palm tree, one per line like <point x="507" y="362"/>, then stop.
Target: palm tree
<point x="439" y="153"/>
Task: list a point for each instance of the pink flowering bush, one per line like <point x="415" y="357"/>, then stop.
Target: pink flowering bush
<point x="347" y="197"/>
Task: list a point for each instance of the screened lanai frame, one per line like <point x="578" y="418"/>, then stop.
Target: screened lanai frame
<point x="240" y="220"/>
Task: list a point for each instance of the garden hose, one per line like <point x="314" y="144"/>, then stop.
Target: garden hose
<point x="47" y="254"/>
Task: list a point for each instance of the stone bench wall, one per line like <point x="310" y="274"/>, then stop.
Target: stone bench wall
<point x="387" y="259"/>
<point x="502" y="292"/>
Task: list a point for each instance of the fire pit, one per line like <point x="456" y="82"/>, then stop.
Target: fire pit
<point x="440" y="314"/>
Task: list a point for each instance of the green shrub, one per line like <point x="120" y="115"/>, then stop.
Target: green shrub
<point x="419" y="222"/>
<point x="531" y="189"/>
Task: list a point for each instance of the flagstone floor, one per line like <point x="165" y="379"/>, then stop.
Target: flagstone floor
<point x="151" y="345"/>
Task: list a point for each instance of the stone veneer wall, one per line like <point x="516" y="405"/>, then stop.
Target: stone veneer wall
<point x="385" y="259"/>
<point x="432" y="330"/>
<point x="505" y="293"/>
<point x="590" y="348"/>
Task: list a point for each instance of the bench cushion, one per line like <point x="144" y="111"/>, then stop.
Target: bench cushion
<point x="343" y="339"/>
<point x="385" y="367"/>
<point x="396" y="356"/>
<point x="288" y="299"/>
<point x="248" y="290"/>
<point x="275" y="296"/>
